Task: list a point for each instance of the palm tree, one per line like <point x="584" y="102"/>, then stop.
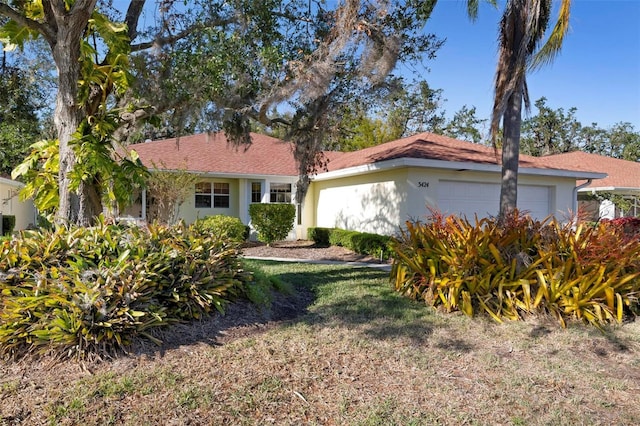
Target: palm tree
<point x="522" y="30"/>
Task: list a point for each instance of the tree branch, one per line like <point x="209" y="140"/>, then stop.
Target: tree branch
<point x="133" y="14"/>
<point x="182" y="34"/>
<point x="47" y="31"/>
<point x="291" y="17"/>
<point x="49" y="17"/>
<point x="55" y="7"/>
<point x="81" y="6"/>
<point x="261" y="117"/>
<point x="160" y="41"/>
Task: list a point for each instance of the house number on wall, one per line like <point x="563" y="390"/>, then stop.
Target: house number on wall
<point x="423" y="184"/>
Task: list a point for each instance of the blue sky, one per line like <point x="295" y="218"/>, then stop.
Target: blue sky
<point x="597" y="71"/>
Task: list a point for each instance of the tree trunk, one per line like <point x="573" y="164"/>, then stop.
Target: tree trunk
<point x="512" y="119"/>
<point x="512" y="40"/>
<point x="75" y="207"/>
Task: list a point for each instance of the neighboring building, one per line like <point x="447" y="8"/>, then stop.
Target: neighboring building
<point x="10" y="204"/>
<point x="597" y="199"/>
<point x="374" y="190"/>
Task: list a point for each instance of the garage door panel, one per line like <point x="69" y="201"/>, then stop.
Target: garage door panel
<point x="536" y="200"/>
<point x="482" y="199"/>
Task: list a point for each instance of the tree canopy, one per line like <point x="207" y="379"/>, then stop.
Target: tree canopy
<point x="554" y="131"/>
<point x="396" y="109"/>
<point x="21" y="104"/>
<point x="294" y="67"/>
<point x="206" y="65"/>
<point x="550" y="131"/>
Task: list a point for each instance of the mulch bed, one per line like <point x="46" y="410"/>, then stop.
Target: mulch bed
<point x="303" y="249"/>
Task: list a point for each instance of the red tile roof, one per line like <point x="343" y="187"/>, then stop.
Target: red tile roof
<point x="621" y="173"/>
<point x="429" y="146"/>
<point x="212" y="153"/>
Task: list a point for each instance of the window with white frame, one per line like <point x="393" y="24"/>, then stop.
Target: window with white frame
<point x="280" y="193"/>
<point x="256" y="192"/>
<point x="221" y="195"/>
<point x="203" y="195"/>
<point x="214" y="195"/>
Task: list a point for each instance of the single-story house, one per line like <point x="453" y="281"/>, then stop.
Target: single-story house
<point x="372" y="190"/>
<point x="232" y="177"/>
<point x="616" y="195"/>
<point x="11" y="205"/>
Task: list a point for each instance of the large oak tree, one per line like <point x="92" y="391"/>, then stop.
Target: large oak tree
<point x="208" y="65"/>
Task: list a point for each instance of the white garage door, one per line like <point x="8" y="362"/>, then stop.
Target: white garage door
<point x="482" y="199"/>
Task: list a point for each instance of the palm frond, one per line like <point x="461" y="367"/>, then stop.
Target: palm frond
<point x="526" y="98"/>
<point x="472" y="9"/>
<point x="511" y="69"/>
<point x="547" y="53"/>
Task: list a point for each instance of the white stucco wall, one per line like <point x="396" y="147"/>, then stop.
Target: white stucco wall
<point x="375" y="202"/>
<point x="10" y="204"/>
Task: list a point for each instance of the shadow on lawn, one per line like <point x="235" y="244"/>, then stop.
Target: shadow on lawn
<point x="338" y="296"/>
<point x="353" y="298"/>
<point x="241" y="319"/>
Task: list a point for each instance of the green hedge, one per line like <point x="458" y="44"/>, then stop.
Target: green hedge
<point x="272" y="221"/>
<point x="359" y="242"/>
<point x="320" y="235"/>
<point x="225" y="227"/>
<point x="8" y="224"/>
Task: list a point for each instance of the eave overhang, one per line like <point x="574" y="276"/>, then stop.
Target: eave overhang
<point x="450" y="165"/>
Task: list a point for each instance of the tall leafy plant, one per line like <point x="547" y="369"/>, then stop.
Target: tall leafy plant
<point x="102" y="176"/>
<point x="78" y="291"/>
<point x="514" y="266"/>
<point x="167" y="190"/>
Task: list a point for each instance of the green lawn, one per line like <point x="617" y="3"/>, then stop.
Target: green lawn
<point x="356" y="354"/>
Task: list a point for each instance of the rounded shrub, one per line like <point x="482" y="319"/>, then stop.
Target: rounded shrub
<point x="8" y="223"/>
<point x="320" y="236"/>
<point x="224" y="227"/>
<point x="272" y="221"/>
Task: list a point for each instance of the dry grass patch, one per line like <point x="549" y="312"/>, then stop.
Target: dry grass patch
<point x="359" y="354"/>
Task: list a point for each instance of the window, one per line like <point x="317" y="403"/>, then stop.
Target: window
<point x="203" y="195"/>
<point x="256" y="192"/>
<point x="280" y="193"/>
<point x="220" y="195"/>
